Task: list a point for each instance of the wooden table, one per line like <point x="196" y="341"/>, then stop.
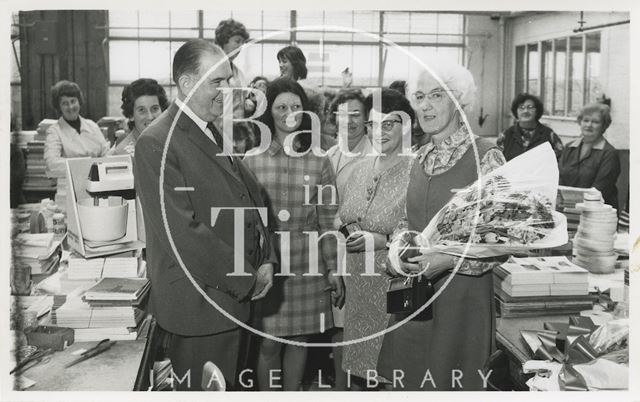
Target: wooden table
<point x="113" y="370"/>
<point x="510" y="341"/>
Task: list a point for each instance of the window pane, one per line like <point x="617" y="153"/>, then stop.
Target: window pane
<point x="533" y="69"/>
<point x="594" y="90"/>
<point x="560" y="82"/>
<point x="155" y="61"/>
<point x="576" y="75"/>
<point x="396" y="22"/>
<point x="451" y="23"/>
<point x="368" y="21"/>
<point x="423" y="23"/>
<point x="547" y="75"/>
<point x="519" y="84"/>
<point x="124" y="64"/>
<point x="276" y="19"/>
<point x="400" y="66"/>
<point x="212" y="17"/>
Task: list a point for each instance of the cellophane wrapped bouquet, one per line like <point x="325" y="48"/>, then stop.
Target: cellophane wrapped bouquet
<point x="510" y="210"/>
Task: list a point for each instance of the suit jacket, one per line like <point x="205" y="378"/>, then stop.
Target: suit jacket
<point x="207" y="250"/>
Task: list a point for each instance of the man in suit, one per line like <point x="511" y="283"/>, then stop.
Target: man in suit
<point x="201" y="223"/>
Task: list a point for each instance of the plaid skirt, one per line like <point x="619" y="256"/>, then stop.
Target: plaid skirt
<point x="297" y="304"/>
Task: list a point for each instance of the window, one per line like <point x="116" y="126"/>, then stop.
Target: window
<point x="142" y="43"/>
<point x="563" y="72"/>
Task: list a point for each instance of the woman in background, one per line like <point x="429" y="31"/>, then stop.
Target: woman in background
<point x="142" y="102"/>
<point x="461" y="333"/>
<point x="297" y="303"/>
<point x="590" y="161"/>
<point x="528" y="132"/>
<point x="72" y="136"/>
<point x="230" y="36"/>
<point x="374" y="199"/>
<point x="293" y="64"/>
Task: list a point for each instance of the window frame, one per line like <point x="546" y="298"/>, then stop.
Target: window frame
<point x="292" y="40"/>
<point x="550" y="110"/>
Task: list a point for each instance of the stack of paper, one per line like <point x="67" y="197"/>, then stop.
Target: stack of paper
<point x="38" y="250"/>
<point x="535" y="285"/>
<point x="96" y="268"/>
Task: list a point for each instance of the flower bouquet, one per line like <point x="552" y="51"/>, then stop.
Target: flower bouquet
<point x="508" y="211"/>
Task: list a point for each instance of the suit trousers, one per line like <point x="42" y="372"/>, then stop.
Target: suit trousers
<point x="228" y="350"/>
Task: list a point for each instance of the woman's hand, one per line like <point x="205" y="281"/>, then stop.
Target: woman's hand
<point x="429" y="264"/>
<point x="357" y="242"/>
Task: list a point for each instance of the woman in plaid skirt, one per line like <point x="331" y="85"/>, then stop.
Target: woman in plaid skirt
<point x="300" y="191"/>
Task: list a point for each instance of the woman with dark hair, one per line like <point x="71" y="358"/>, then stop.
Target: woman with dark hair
<point x="374" y="198"/>
<point x="293" y="64"/>
<point x="590" y="161"/>
<point x="142" y="102"/>
<point x="230" y="36"/>
<point x="298" y="305"/>
<point x="72" y="136"/>
<point x="528" y="132"/>
<point x="349" y="112"/>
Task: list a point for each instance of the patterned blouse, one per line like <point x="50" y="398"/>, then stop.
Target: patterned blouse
<point x="437" y="159"/>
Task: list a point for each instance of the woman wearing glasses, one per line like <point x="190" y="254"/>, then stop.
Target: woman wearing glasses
<point x="460" y="333"/>
<point x="528" y="132"/>
<point x="373" y="201"/>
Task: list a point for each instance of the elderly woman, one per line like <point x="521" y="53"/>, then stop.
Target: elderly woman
<point x="528" y="132"/>
<point x="460" y="334"/>
<point x="72" y="136"/>
<point x="299" y="305"/>
<point x="230" y="36"/>
<point x="590" y="161"/>
<point x="373" y="198"/>
<point x="142" y="102"/>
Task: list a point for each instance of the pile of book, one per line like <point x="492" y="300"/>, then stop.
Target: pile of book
<point x="112" y="308"/>
<point x="22" y="138"/>
<point x="123" y="265"/>
<point x="37" y="250"/>
<point x="541" y="286"/>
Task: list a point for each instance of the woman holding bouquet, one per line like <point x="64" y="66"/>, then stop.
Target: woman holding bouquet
<point x="460" y="335"/>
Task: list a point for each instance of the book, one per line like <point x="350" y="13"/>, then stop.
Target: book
<point x="130" y="289"/>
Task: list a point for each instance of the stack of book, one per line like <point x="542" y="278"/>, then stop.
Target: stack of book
<point x="22" y="138"/>
<point x="35" y="175"/>
<point x="110" y="309"/>
<point x="566" y="202"/>
<point x="38" y="250"/>
<point x="541" y="285"/>
<point x="123" y="265"/>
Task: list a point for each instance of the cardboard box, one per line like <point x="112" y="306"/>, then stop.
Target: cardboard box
<point x="77" y="176"/>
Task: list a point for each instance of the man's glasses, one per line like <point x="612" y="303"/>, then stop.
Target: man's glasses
<point x="527" y="107"/>
<point x="387" y="125"/>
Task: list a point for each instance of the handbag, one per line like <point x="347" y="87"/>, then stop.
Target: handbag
<point x="407" y="294"/>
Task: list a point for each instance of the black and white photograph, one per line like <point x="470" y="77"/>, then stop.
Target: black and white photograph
<point x="320" y="198"/>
